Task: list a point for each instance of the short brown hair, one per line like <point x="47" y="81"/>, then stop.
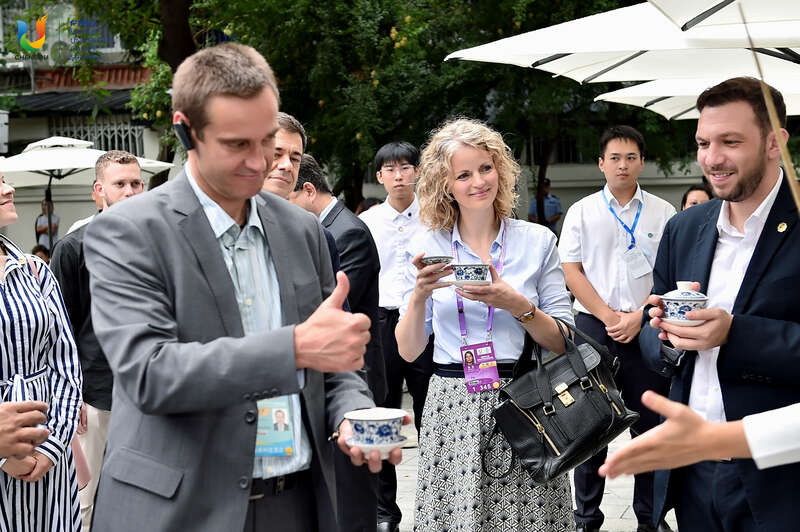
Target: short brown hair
<point x="113" y="156"/>
<point x="745" y="89"/>
<point x="226" y="69"/>
<point x="292" y="125"/>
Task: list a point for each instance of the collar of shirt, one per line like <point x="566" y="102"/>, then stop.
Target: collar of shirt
<point x="328" y="208"/>
<point x="637" y="197"/>
<point x="412" y="211"/>
<point x="498" y="240"/>
<point x="220" y="220"/>
<point x="15" y="258"/>
<point x="755" y="223"/>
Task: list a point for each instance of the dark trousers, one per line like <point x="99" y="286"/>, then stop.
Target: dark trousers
<point x="633" y="378"/>
<point x="710" y="497"/>
<point x="356" y="494"/>
<point x="417" y="374"/>
<point x="291" y="509"/>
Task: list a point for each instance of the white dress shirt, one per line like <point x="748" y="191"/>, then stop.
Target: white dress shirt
<point x="80" y="223"/>
<point x="774" y="436"/>
<point x="392" y="231"/>
<point x="328" y="208"/>
<point x="731" y="259"/>
<point x="592" y="236"/>
<point x="531" y="266"/>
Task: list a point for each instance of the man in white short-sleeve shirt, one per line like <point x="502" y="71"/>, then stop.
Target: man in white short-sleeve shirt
<point x="608" y="247"/>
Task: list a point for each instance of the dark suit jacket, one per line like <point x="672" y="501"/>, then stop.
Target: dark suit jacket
<point x="759" y="366"/>
<point x="69" y="267"/>
<point x="182" y="434"/>
<point x="359" y="260"/>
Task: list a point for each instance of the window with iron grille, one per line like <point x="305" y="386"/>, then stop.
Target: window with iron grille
<point x="108" y="132"/>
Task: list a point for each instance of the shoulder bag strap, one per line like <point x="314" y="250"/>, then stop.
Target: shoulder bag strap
<point x="485" y="452"/>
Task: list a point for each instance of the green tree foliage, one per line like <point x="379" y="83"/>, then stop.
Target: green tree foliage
<point x="359" y="73"/>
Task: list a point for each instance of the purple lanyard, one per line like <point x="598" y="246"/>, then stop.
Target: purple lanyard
<point x="462" y="320"/>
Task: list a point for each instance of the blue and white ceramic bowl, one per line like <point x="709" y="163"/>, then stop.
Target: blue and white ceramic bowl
<point x="678" y="302"/>
<point x="376" y="426"/>
<point x="471" y="274"/>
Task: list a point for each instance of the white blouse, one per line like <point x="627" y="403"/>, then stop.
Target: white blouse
<point x="531" y="266"/>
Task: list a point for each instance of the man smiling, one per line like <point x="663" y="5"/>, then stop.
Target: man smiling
<point x="290" y="144"/>
<point x="741" y="250"/>
<point x="220" y="306"/>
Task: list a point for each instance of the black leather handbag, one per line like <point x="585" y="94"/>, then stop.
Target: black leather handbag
<point x="558" y="413"/>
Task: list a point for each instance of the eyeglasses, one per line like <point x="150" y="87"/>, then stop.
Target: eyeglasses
<point x="403" y="169"/>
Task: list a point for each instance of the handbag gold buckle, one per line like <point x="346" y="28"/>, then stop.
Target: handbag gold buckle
<point x="563" y="394"/>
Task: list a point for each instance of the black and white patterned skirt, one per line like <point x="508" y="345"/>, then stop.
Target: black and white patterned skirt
<point x="453" y="492"/>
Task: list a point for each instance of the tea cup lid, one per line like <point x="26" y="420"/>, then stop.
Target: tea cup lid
<point x="684" y="292"/>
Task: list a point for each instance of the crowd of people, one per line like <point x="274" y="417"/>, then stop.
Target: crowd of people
<point x="182" y="331"/>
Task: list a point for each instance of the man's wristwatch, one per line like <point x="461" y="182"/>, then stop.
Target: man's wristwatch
<point x="528" y="316"/>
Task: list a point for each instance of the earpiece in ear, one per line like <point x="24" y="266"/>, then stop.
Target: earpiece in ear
<point x="185" y="138"/>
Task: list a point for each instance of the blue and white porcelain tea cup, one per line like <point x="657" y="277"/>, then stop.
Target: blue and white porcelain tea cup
<point x="678" y="302"/>
<point x="376" y="426"/>
<point x="471" y="274"/>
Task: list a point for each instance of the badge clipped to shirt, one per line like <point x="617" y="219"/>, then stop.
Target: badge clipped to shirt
<point x="637" y="263"/>
<point x="274" y="434"/>
<point x="480" y="367"/>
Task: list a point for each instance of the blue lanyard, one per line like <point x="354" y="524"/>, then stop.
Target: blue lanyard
<point x="629" y="230"/>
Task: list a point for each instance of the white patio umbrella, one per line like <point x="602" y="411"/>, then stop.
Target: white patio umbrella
<point x="639" y="43"/>
<point x="687" y="14"/>
<point x="69" y="161"/>
<point x="675" y="98"/>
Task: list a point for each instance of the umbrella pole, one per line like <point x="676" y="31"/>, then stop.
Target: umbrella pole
<point x="788" y="165"/>
<point x="48" y="201"/>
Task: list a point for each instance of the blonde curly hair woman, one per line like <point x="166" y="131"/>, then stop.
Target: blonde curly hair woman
<point x="466" y="195"/>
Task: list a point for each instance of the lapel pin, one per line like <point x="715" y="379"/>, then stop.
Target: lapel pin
<point x="21" y="260"/>
<point x="782" y="227"/>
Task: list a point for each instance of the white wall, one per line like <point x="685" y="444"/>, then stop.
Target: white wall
<point x="70" y="203"/>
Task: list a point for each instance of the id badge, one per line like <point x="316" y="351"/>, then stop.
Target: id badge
<point x="480" y="367"/>
<point x="637" y="263"/>
<point x="274" y="433"/>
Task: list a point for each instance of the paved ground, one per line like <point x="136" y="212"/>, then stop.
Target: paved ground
<point x="616" y="500"/>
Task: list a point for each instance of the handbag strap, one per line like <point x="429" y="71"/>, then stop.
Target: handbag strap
<point x="611" y="360"/>
<point x="525" y="362"/>
<point x="586" y="338"/>
<point x="494" y="433"/>
<point x="531" y="357"/>
<point x="571" y="350"/>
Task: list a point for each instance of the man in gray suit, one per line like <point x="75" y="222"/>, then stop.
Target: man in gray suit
<point x="219" y="307"/>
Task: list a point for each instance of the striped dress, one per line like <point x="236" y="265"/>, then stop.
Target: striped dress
<point x="37" y="345"/>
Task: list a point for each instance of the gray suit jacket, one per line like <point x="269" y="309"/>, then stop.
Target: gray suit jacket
<point x="182" y="436"/>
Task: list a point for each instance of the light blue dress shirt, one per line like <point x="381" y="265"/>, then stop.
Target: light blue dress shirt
<point x="247" y="257"/>
<point x="532" y="266"/>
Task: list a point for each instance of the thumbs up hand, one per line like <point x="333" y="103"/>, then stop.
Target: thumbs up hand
<point x="332" y="340"/>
